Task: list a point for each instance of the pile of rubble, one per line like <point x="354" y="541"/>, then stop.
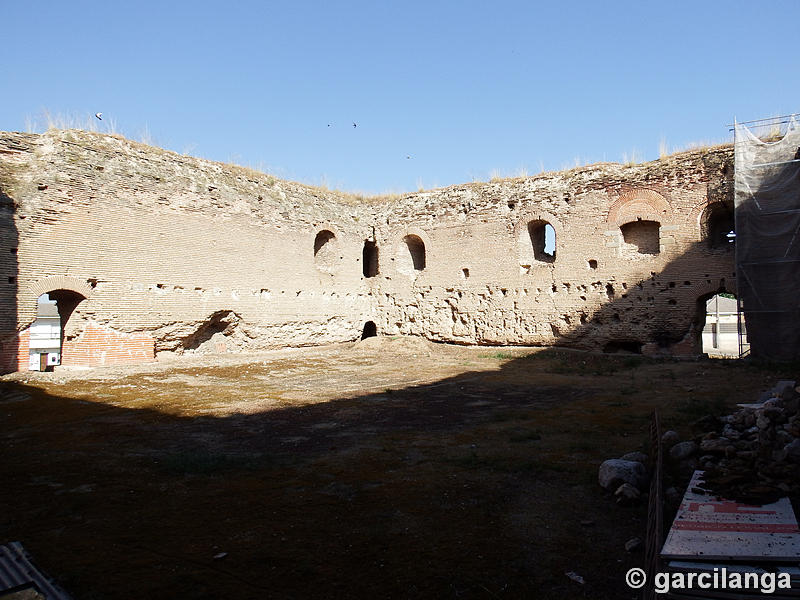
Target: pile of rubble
<point x="751" y="456"/>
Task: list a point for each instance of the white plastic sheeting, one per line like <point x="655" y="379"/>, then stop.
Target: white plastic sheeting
<point x="767" y="217"/>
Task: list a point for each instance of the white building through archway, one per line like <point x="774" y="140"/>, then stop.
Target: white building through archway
<point x="723" y="328"/>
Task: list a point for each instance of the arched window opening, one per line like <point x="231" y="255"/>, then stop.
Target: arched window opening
<point x="722" y="326"/>
<point x="717" y="226"/>
<point x="325" y="250"/>
<point x="370" y="330"/>
<point x="543" y="240"/>
<point x="641" y="237"/>
<point x="416" y="251"/>
<point x="322" y="239"/>
<point x="51" y="328"/>
<point x="370" y="258"/>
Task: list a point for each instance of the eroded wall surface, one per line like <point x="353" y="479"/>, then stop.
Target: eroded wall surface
<point x="483" y="283"/>
<point x="160" y="252"/>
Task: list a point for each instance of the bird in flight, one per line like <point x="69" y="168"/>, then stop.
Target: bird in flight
<point x="99" y="116"/>
<point x="354" y="125"/>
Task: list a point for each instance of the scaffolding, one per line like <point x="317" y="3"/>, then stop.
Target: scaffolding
<point x="767" y="221"/>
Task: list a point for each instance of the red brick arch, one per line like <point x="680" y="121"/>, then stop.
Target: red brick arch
<point x="640" y="205"/>
<point x="60" y="282"/>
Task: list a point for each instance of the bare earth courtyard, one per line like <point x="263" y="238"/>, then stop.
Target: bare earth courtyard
<point x="388" y="468"/>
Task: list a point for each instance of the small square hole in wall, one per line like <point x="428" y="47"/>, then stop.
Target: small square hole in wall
<point x="592" y="264"/>
<point x="12" y="280"/>
<point x="12" y="250"/>
<point x="464" y="273"/>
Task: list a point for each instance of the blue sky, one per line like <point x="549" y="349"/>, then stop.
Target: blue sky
<point x="441" y="92"/>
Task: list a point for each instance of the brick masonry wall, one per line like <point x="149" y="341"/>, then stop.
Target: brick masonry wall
<point x="597" y="291"/>
<point x="101" y="346"/>
<point x="198" y="256"/>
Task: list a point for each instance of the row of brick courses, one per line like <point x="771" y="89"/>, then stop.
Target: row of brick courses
<point x="102" y="346"/>
<point x="169" y="243"/>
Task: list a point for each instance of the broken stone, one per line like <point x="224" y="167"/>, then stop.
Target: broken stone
<point x="718" y="446"/>
<point x="783" y="437"/>
<point x="730" y="433"/>
<point x="772" y="410"/>
<point x="683" y="450"/>
<point x="705" y="462"/>
<point x="791" y="452"/>
<point x="575" y="577"/>
<point x="614" y="472"/>
<point x="633" y="545"/>
<point x="707" y="423"/>
<point x="757" y="459"/>
<point x="669" y="439"/>
<point x="627" y="494"/>
<point x="639" y="457"/>
<point x="784" y="388"/>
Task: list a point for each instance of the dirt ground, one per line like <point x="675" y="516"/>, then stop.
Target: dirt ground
<point x="390" y="468"/>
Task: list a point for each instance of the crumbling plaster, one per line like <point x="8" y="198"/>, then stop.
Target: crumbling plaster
<point x="165" y="242"/>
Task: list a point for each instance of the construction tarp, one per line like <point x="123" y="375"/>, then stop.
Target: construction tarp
<point x="767" y="221"/>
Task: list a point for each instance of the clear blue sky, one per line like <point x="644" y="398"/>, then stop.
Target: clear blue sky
<point x="465" y="89"/>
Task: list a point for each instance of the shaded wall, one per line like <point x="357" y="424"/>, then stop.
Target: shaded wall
<point x="13" y="347"/>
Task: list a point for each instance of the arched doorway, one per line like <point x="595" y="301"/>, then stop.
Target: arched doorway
<point x="50" y="329"/>
<point x="370" y="330"/>
<point x="722" y="328"/>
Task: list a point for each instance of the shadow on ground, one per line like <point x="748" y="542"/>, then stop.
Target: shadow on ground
<point x="478" y="485"/>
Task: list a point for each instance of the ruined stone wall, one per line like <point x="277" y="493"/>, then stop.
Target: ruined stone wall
<point x="174" y="253"/>
<point x="188" y="252"/>
<point x="631" y="259"/>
